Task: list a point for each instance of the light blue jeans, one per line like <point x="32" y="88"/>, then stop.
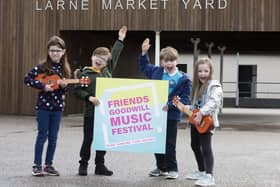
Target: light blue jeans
<point x="48" y="123"/>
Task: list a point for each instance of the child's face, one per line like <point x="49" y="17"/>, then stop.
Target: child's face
<point x="203" y="73"/>
<point x="56" y="53"/>
<point x="168" y="65"/>
<point x="99" y="61"/>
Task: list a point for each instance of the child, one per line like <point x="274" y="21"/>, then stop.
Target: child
<point x="206" y="96"/>
<point x="50" y="103"/>
<point x="179" y="84"/>
<point x="103" y="63"/>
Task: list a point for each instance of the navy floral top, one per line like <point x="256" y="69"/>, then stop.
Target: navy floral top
<point x="52" y="101"/>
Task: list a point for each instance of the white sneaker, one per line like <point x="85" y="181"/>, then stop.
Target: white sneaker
<point x="207" y="180"/>
<point x="196" y="175"/>
<point x="172" y="175"/>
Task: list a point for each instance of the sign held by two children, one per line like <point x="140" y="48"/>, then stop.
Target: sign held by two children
<point x="130" y="116"/>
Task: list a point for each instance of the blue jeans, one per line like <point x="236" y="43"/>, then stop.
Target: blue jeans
<point x="48" y="126"/>
<point x="168" y="161"/>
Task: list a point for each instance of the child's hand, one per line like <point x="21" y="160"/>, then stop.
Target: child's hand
<point x="48" y="88"/>
<point x="165" y="108"/>
<point x="145" y="46"/>
<point x="94" y="100"/>
<point x="76" y="73"/>
<point x="122" y="33"/>
<point x="198" y="118"/>
<point x="62" y="83"/>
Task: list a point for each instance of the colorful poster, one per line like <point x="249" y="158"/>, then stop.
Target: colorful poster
<point x="130" y="116"/>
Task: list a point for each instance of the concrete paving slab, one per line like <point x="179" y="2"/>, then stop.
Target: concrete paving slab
<point x="243" y="157"/>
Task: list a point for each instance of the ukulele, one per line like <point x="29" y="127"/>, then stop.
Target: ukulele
<point x="206" y="123"/>
<point x="53" y="80"/>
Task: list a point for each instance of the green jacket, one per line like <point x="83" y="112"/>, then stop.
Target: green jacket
<point x="85" y="92"/>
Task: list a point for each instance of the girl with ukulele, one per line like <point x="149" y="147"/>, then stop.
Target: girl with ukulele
<point x="50" y="102"/>
<point x="206" y="97"/>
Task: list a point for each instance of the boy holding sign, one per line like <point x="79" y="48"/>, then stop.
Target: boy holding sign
<point x="179" y="85"/>
<point x="103" y="63"/>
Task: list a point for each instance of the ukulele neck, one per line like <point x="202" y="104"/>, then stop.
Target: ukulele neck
<point x="72" y="81"/>
<point x="185" y="110"/>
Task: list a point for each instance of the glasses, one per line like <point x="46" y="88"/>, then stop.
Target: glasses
<point x="55" y="50"/>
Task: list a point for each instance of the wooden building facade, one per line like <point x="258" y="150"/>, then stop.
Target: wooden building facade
<point x="27" y="25"/>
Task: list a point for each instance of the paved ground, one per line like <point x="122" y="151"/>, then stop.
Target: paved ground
<point x="246" y="152"/>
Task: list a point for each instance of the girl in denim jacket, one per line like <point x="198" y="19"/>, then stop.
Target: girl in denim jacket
<point x="207" y="96"/>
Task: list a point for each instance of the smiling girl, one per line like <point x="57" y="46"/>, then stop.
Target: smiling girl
<point x="206" y="96"/>
<point x="50" y="103"/>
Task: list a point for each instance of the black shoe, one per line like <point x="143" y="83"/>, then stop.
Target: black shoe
<point x="102" y="170"/>
<point x="83" y="169"/>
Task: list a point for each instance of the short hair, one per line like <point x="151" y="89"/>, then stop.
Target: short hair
<point x="102" y="51"/>
<point x="169" y="53"/>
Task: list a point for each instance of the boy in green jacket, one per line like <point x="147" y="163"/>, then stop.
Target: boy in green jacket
<point x="103" y="64"/>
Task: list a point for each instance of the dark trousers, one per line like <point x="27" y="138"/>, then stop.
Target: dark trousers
<point x="168" y="161"/>
<point x="85" y="151"/>
<point x="201" y="146"/>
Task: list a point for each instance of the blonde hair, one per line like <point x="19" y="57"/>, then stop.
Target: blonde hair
<point x="102" y="51"/>
<point x="196" y="83"/>
<point x="169" y="53"/>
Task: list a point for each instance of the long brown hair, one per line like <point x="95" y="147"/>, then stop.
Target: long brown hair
<point x="196" y="83"/>
<point x="46" y="64"/>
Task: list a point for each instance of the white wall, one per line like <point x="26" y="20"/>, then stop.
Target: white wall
<point x="268" y="70"/>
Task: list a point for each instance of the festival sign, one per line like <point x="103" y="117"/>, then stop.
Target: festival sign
<point x="130" y="116"/>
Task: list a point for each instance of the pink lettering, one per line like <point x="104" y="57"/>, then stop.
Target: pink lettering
<point x="128" y="101"/>
<point x="128" y="119"/>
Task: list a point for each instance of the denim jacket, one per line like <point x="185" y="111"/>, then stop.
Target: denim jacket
<point x="212" y="101"/>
